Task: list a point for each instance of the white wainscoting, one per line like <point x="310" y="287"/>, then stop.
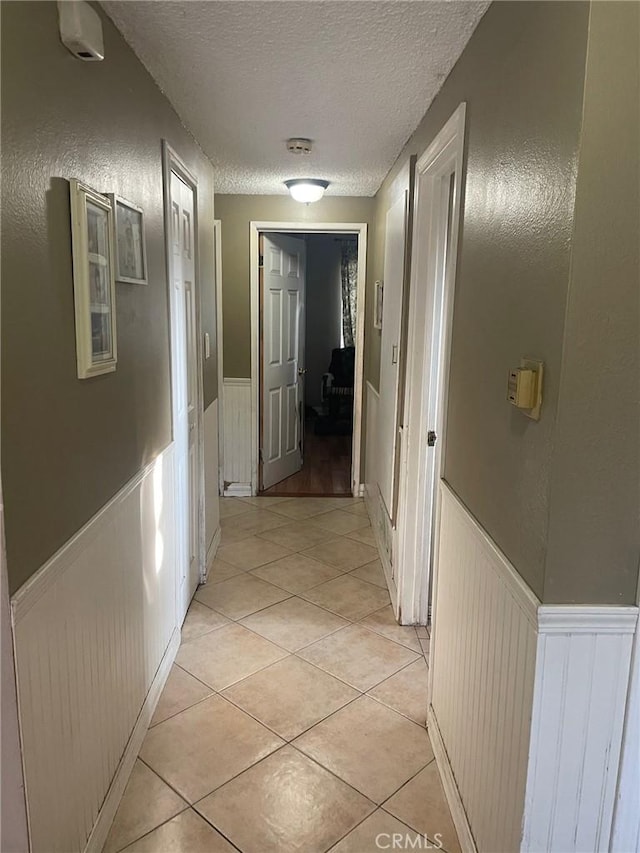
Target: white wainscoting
<point x="483" y="654"/>
<point x="373" y="499"/>
<point x="582" y="679"/>
<point x="95" y="633"/>
<point x="237" y="436"/>
<point x="527" y="704"/>
<point x="211" y="479"/>
<point x="372" y="400"/>
<point x="626" y="821"/>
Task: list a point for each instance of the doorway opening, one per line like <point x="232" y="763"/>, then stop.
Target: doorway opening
<point x="308" y="333"/>
<point x="437" y="211"/>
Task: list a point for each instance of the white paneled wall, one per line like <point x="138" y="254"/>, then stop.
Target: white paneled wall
<point x="211" y="480"/>
<point x="372" y="401"/>
<point x="582" y="678"/>
<point x="626" y="824"/>
<point x="94" y="634"/>
<point x="482" y="669"/>
<point x="527" y="703"/>
<point x="237" y="436"/>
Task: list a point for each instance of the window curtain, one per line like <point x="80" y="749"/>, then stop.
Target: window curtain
<point x="349" y="278"/>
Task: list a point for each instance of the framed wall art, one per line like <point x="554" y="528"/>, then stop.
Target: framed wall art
<point x="130" y="251"/>
<point x="93" y="281"/>
<point x="378" y="304"/>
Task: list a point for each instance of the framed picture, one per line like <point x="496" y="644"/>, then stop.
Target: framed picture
<point x="377" y="305"/>
<point x="93" y="281"/>
<point x="131" y="253"/>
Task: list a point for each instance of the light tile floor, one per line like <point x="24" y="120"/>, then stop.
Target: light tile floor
<point x="294" y="716"/>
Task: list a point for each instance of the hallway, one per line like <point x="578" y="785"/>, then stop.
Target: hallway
<point x="294" y="716"/>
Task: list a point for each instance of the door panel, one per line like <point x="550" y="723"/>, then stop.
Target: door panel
<point x="283" y="283"/>
<point x="185" y="389"/>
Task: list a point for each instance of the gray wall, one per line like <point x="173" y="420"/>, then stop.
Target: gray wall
<point x="522" y="76"/>
<point x="594" y="527"/>
<point x="69" y="445"/>
<point x="236" y="212"/>
<point x="323" y="311"/>
<point x="547" y="267"/>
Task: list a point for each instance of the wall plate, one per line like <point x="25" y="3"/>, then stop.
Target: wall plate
<point x="538" y="367"/>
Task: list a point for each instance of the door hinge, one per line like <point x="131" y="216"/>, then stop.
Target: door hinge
<point x="260" y="456"/>
<point x="431" y="438"/>
<point x="260" y="260"/>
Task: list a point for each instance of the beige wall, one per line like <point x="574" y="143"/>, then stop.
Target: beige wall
<point x="69" y="445"/>
<point x="550" y="274"/>
<point x="521" y="76"/>
<point x="594" y="526"/>
<point x="235" y="213"/>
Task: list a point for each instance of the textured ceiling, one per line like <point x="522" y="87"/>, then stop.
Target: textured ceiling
<point x="355" y="76"/>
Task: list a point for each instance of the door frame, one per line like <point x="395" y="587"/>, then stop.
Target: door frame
<point x="427" y="381"/>
<point x="359" y="229"/>
<point x="172" y="162"/>
<point x="217" y="242"/>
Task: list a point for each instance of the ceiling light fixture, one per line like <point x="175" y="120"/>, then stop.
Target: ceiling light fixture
<point x="306" y="190"/>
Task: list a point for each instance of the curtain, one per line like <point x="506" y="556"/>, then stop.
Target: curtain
<point x="349" y="279"/>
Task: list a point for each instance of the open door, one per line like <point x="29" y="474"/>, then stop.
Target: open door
<point x="185" y="386"/>
<point x="282" y="357"/>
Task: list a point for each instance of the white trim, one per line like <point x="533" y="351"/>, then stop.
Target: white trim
<point x="217" y="239"/>
<point x="451" y="792"/>
<point x="587" y="619"/>
<point x="172" y="162"/>
<point x="626" y="819"/>
<point x="428" y="355"/>
<point x="109" y="808"/>
<point x="360" y="230"/>
<point x="213" y="550"/>
<point x="580" y="692"/>
<point x="238" y="490"/>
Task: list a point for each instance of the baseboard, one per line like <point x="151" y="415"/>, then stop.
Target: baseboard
<point x="237" y="490"/>
<point x="458" y="814"/>
<point x="212" y="551"/>
<point x="373" y="502"/>
<point x="109" y="808"/>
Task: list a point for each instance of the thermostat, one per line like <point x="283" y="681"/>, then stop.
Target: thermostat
<point x="524" y="388"/>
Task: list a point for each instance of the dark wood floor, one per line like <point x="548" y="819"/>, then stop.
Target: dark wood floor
<point x="326" y="470"/>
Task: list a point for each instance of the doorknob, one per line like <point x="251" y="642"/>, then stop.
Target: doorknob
<point x="302" y="371"/>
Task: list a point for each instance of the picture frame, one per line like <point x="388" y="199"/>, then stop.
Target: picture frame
<point x="378" y="304"/>
<point x="93" y="281"/>
<point x="130" y="243"/>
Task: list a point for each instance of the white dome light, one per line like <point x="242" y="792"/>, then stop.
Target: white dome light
<point x="306" y="190"/>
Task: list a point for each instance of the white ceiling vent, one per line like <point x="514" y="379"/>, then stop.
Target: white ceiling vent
<point x="299" y="146"/>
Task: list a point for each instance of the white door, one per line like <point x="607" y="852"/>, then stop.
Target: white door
<point x="283" y="300"/>
<point x="185" y="392"/>
<point x="394" y="271"/>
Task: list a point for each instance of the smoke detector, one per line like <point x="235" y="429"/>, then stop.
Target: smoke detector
<point x="299" y="146"/>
